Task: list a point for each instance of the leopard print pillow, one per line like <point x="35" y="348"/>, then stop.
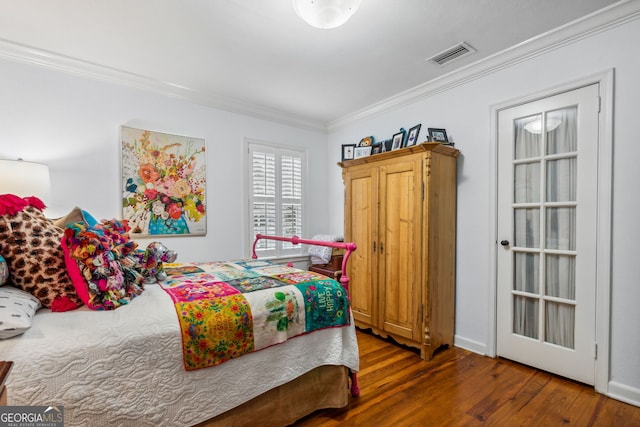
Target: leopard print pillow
<point x="30" y="243"/>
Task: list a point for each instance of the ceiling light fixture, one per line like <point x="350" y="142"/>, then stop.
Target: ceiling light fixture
<point x="325" y="14"/>
<point x="535" y="126"/>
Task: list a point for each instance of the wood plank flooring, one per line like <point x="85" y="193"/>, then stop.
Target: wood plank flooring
<point x="460" y="388"/>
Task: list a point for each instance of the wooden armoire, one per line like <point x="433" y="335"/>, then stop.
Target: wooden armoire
<point x="400" y="209"/>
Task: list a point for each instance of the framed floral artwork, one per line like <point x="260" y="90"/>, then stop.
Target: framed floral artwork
<point x="163" y="183"/>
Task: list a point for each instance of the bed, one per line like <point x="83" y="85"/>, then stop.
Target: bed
<point x="127" y="366"/>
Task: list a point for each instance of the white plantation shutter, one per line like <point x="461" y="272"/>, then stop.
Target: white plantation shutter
<point x="264" y="174"/>
<point x="291" y="197"/>
<point x="263" y="196"/>
<point x="276" y="197"/>
<point x="292" y="177"/>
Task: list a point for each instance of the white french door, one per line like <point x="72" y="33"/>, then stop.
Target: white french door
<point x="547" y="212"/>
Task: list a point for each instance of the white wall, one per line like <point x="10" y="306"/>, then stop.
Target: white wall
<point x="465" y="112"/>
<point x="73" y="124"/>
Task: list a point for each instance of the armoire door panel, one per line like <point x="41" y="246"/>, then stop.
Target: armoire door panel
<point x="361" y="220"/>
<point x="399" y="222"/>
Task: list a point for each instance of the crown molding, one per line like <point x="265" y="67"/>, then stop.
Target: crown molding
<point x="602" y="20"/>
<point x="26" y="54"/>
<point x="617" y="14"/>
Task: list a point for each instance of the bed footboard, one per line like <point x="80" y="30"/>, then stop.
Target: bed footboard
<point x="348" y="247"/>
<point x="344" y="278"/>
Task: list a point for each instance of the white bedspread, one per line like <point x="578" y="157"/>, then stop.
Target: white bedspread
<point x="124" y="367"/>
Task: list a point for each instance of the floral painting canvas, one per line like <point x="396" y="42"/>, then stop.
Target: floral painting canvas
<point x="163" y="183"/>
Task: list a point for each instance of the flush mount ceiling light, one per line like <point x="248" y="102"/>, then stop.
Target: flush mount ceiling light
<point x="325" y="14"/>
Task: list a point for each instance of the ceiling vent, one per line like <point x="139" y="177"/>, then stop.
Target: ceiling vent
<point x="455" y="52"/>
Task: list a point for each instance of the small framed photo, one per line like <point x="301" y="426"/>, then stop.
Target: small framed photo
<point x="412" y="136"/>
<point x="348" y="151"/>
<point x="362" y="152"/>
<point x="438" y="135"/>
<point x="398" y="140"/>
<point x="387" y="144"/>
<point x="376" y="148"/>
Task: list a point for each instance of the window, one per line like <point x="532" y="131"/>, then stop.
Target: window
<point x="276" y="199"/>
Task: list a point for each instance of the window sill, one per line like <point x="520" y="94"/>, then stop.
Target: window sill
<point x="299" y="261"/>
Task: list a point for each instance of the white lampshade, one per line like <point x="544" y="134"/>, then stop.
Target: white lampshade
<point x="25" y="179"/>
<point x="326" y="14"/>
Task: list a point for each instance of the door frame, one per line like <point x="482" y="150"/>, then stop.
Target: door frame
<point x="605" y="80"/>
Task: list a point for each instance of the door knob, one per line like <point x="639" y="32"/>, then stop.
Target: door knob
<point x="504" y="243"/>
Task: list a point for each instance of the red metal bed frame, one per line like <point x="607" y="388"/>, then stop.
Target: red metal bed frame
<point x="344" y="278"/>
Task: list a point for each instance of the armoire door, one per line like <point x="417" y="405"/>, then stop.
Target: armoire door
<point x="547" y="206"/>
<point x="399" y="246"/>
<point x="360" y="226"/>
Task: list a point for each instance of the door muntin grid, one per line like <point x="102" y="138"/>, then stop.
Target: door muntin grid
<point x="544" y="223"/>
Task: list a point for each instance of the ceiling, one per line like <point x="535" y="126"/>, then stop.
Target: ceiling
<point x="258" y="55"/>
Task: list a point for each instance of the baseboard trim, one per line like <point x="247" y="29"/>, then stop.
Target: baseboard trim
<point x="624" y="393"/>
<point x="471" y="345"/>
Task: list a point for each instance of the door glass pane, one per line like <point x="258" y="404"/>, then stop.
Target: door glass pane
<point x="561" y="180"/>
<point x="561" y="228"/>
<point x="525" y="270"/>
<point x="561" y="276"/>
<point x="562" y="133"/>
<point x="527" y="227"/>
<point x="527" y="137"/>
<point x="527" y="183"/>
<point x="525" y="316"/>
<point x="560" y="321"/>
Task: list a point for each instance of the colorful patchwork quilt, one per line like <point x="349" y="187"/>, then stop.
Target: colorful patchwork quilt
<point x="227" y="309"/>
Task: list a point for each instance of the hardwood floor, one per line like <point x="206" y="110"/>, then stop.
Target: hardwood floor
<point x="460" y="388"/>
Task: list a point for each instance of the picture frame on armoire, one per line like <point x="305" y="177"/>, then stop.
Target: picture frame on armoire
<point x="362" y="152"/>
<point x="398" y="140"/>
<point x="438" y="135"/>
<point x="412" y="136"/>
<point x="348" y="151"/>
